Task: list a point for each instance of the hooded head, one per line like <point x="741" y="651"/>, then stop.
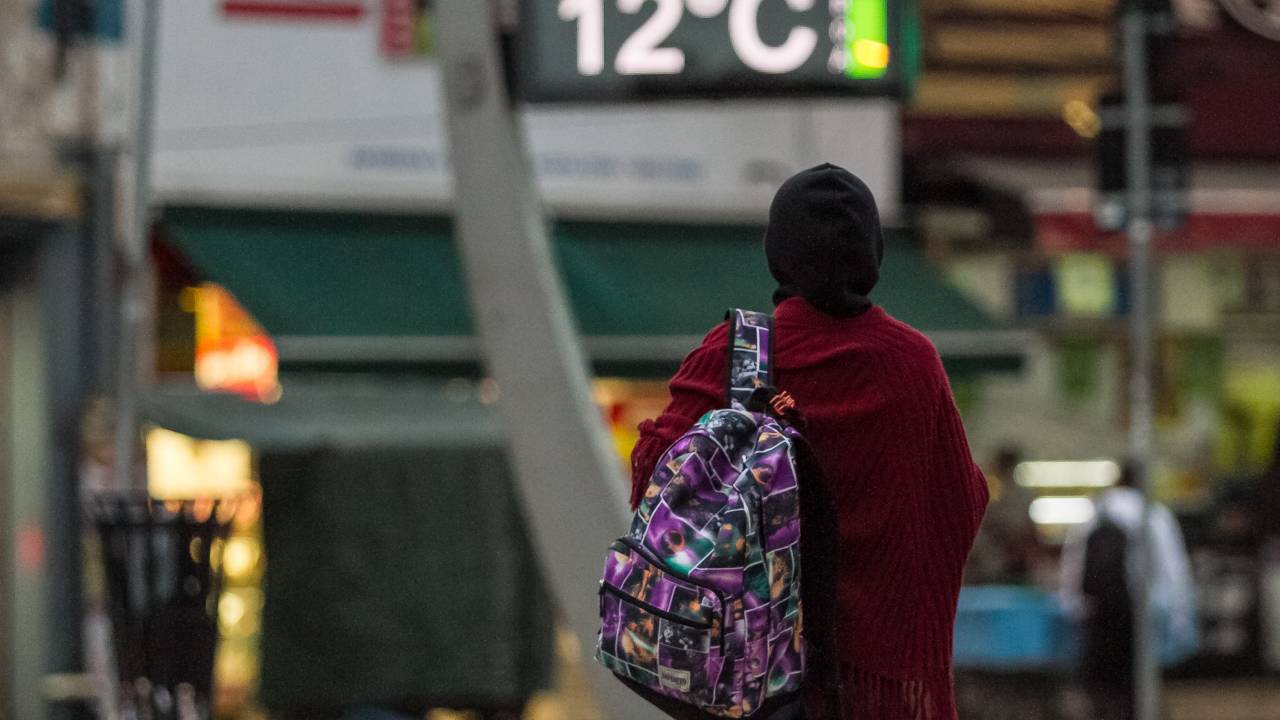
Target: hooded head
<point x="824" y="242"/>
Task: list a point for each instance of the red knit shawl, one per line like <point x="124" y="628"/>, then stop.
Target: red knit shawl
<point x="884" y="425"/>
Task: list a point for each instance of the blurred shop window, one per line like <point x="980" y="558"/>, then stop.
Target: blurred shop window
<point x="625" y="404"/>
<point x="985" y="279"/>
<point x="1267" y="284"/>
<point x="1190" y="301"/>
<point x="1251" y="408"/>
<point x="1073" y="286"/>
<point x="1078" y="361"/>
<point x="1085" y="285"/>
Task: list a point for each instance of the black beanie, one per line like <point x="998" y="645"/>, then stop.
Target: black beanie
<point x="824" y="242"/>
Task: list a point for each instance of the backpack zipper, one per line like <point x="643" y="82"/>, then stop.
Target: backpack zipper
<point x="654" y="610"/>
<point x="648" y="557"/>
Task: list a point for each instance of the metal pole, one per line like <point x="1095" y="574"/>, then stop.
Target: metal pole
<point x="1142" y="329"/>
<point x="575" y="500"/>
<point x="136" y="226"/>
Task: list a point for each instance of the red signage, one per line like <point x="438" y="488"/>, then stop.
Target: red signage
<point x="233" y="353"/>
<point x="1076" y="232"/>
<point x="397" y="27"/>
<point x="407" y="30"/>
<point x="293" y="10"/>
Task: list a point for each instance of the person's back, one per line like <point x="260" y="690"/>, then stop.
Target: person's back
<point x="882" y="421"/>
<point x="1091" y="593"/>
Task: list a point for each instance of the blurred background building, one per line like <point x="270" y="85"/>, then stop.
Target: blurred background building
<point x="310" y="345"/>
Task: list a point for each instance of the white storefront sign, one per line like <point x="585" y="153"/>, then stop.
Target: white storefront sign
<point x="272" y="112"/>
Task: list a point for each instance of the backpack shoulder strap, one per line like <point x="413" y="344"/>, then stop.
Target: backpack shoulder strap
<point x="750" y="353"/>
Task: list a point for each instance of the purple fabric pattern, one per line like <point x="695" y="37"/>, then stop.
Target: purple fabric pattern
<point x="700" y="601"/>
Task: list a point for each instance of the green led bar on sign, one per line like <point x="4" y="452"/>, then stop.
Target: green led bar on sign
<point x="867" y="39"/>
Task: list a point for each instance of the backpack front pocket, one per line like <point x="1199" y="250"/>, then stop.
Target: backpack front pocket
<point x="659" y="630"/>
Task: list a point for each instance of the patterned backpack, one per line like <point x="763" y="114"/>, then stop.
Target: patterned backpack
<point x="700" y="602"/>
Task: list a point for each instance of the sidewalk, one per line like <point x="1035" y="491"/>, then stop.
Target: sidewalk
<point x="1224" y="699"/>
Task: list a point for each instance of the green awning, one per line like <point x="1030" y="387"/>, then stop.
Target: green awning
<point x="351" y="412"/>
<point x="368" y="287"/>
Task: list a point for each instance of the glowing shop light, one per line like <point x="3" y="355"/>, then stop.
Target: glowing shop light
<point x="1067" y="474"/>
<point x="182" y="467"/>
<point x="1061" y="510"/>
<point x="233" y="353"/>
<point x="231" y="610"/>
<point x="240" y="557"/>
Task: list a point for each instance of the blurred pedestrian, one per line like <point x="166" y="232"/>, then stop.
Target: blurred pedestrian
<point x="884" y="426"/>
<point x="1007" y="548"/>
<point x="1266" y="509"/>
<point x="1098" y="578"/>
<point x="1266" y="500"/>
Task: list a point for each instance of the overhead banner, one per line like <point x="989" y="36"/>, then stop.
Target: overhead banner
<point x="260" y="109"/>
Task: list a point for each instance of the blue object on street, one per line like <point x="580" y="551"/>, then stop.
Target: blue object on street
<point x="1008" y="627"/>
<point x="1000" y="627"/>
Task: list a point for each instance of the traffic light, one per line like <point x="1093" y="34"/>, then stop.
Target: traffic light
<point x="1166" y="122"/>
<point x="1169" y="164"/>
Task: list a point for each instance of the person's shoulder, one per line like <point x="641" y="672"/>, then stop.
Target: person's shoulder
<point x="909" y="347"/>
<point x="902" y="335"/>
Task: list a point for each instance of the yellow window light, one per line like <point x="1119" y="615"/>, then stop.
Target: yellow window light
<point x="181" y="467"/>
<point x="231" y="610"/>
<point x="240" y="557"/>
<point x="240" y="612"/>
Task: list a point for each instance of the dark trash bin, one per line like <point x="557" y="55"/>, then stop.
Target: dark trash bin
<point x="162" y="561"/>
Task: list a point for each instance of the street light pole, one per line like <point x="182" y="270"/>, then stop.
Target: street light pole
<point x="133" y="250"/>
<point x="1133" y="26"/>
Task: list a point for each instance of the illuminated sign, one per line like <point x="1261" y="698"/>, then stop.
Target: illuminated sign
<point x="609" y="50"/>
<point x="233" y="353"/>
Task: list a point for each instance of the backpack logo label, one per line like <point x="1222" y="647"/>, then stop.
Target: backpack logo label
<point x="675" y="679"/>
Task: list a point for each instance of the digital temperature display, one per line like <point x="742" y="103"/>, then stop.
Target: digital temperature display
<point x="611" y="50"/>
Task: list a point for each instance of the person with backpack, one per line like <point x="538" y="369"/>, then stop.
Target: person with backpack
<point x="1097" y="576"/>
<point x="890" y="456"/>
